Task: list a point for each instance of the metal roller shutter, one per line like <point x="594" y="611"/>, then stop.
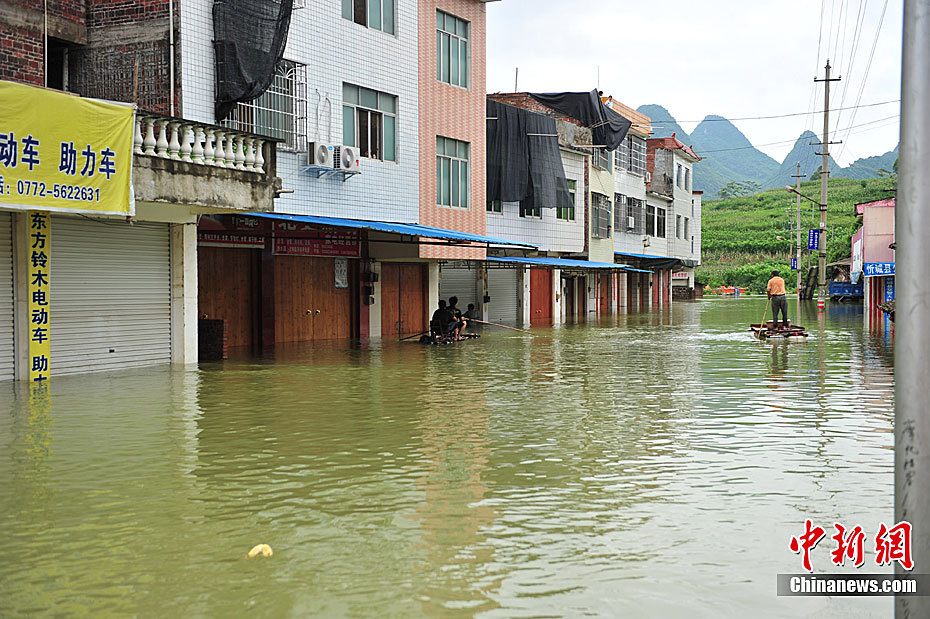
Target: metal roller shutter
<point x="6" y="297"/>
<point x="502" y="288"/>
<point x="459" y="282"/>
<point x="111" y="295"/>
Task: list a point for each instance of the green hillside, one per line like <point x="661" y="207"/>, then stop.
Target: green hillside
<point x="739" y="236"/>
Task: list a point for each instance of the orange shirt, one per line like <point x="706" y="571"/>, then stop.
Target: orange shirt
<point x="776" y="286"/>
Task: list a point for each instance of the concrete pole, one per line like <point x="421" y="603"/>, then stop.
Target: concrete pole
<point x="798" y="229"/>
<point x="824" y="177"/>
<point x="912" y="338"/>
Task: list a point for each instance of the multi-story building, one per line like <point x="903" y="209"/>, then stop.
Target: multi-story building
<point x="123" y="291"/>
<point x="873" y="259"/>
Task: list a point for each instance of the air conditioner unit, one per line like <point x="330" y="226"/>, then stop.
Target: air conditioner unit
<point x="320" y="155"/>
<point x="630" y="222"/>
<point x="346" y="159"/>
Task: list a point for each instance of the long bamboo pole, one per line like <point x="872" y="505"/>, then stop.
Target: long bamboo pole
<point x="483" y="322"/>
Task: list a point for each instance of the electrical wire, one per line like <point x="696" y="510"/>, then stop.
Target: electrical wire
<point x="710" y="120"/>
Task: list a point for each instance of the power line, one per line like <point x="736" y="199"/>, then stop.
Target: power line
<point x="709" y="120"/>
<point x="847" y="129"/>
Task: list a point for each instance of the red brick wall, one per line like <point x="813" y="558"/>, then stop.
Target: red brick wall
<point x="21" y="54"/>
<point x="21" y="39"/>
<point x="452" y="112"/>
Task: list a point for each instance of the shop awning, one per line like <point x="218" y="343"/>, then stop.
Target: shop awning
<point x="561" y="263"/>
<point x="683" y="261"/>
<point x="395" y="228"/>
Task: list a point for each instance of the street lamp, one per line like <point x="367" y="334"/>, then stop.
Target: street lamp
<point x="822" y="261"/>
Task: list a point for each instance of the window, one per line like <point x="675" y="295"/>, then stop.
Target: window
<point x="650" y="220"/>
<point x="677" y="226"/>
<point x="527" y="210"/>
<point x="620" y="206"/>
<point x="686" y="237"/>
<point x="660" y="222"/>
<point x="678" y="176"/>
<point x="631" y="156"/>
<point x="568" y="213"/>
<point x="688" y="179"/>
<point x="369" y="121"/>
<point x="634" y="209"/>
<point x="600" y="216"/>
<point x="495" y="206"/>
<point x="377" y="14"/>
<point x="452" y="182"/>
<point x="452" y="62"/>
<point x="601" y="158"/>
<point x="280" y="111"/>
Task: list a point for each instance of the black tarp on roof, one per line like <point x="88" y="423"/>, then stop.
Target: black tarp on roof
<point x="248" y="40"/>
<point x="523" y="158"/>
<point x="609" y="128"/>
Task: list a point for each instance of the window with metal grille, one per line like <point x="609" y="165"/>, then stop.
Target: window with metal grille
<point x="600" y="216"/>
<point x="281" y="111"/>
<point x="634" y="209"/>
<point x="369" y="121"/>
<point x="601" y="158"/>
<point x="637" y="148"/>
<point x="452" y="181"/>
<point x="452" y="61"/>
<point x="660" y="222"/>
<point x="568" y="213"/>
<point x="619" y="211"/>
<point x="623" y="154"/>
<point x="375" y="14"/>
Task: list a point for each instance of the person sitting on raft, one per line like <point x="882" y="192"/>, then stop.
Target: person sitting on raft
<point x="442" y="320"/>
<point x="460" y="322"/>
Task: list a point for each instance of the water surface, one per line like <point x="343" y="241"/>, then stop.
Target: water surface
<point x="644" y="465"/>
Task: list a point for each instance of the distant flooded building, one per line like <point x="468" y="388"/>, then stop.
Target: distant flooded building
<point x="873" y="260"/>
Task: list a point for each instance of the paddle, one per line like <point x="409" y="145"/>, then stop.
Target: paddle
<point x="494" y="324"/>
<point x="762" y="326"/>
<point x="413" y="336"/>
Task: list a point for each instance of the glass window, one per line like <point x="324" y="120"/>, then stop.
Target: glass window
<point x="369" y="122"/>
<point x="601" y="158"/>
<point x="375" y="14"/>
<point x="600" y="216"/>
<point x="686" y="237"/>
<point x="650" y="220"/>
<point x="452" y="173"/>
<point x="452" y="58"/>
<point x="660" y="222"/>
<point x="526" y="210"/>
<point x="568" y="213"/>
<point x="688" y="179"/>
<point x="495" y="206"/>
<point x="677" y="226"/>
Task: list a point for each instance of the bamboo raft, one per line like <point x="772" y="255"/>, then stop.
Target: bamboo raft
<point x="768" y="331"/>
<point x="446" y="339"/>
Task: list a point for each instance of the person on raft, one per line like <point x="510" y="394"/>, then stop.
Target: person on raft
<point x="460" y="323"/>
<point x="442" y="319"/>
<point x="776" y="292"/>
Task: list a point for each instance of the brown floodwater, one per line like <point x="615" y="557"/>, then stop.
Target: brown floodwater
<point x="642" y="465"/>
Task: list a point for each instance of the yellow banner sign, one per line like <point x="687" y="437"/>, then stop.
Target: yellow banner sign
<point x="60" y="152"/>
<point x="40" y="262"/>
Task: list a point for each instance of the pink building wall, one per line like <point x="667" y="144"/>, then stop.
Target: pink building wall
<point x="452" y="112"/>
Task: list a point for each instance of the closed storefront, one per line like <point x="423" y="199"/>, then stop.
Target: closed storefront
<point x="110" y="295"/>
<point x="403" y="299"/>
<point x="504" y="305"/>
<point x="6" y="298"/>
<point x="226" y="277"/>
<point x="461" y="282"/>
<point x="313" y="299"/>
<point x="540" y="297"/>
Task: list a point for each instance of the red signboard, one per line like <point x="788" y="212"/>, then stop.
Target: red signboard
<point x="327" y="242"/>
<point x="224" y="239"/>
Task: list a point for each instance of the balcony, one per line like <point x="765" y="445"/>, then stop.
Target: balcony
<point x="178" y="161"/>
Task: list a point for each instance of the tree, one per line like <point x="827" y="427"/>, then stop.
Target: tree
<point x="737" y="189"/>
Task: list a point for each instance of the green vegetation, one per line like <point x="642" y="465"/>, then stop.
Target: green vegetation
<point x="740" y="241"/>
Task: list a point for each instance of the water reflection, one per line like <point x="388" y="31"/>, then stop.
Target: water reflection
<point x="629" y="465"/>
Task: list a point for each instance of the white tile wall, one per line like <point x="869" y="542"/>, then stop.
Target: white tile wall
<point x="549" y="233"/>
<point x="634" y="186"/>
<point x="336" y="50"/>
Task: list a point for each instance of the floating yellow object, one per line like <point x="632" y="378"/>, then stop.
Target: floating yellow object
<point x="260" y="550"/>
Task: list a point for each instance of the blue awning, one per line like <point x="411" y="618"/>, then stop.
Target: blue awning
<point x="561" y="263"/>
<point x="632" y="255"/>
<point x="395" y="228"/>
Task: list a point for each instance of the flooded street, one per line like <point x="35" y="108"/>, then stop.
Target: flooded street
<point x="644" y="465"/>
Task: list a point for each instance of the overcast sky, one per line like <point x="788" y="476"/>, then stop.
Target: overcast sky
<point x="733" y="58"/>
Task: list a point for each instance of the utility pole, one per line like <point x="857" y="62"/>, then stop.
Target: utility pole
<point x="912" y="340"/>
<point x="824" y="176"/>
<point x="797" y="222"/>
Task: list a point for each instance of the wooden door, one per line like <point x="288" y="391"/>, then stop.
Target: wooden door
<point x="632" y="285"/>
<point x="224" y="276"/>
<point x="666" y="287"/>
<point x="604" y="293"/>
<point x="582" y="298"/>
<point x="308" y="306"/>
<point x="540" y="297"/>
<point x="403" y="299"/>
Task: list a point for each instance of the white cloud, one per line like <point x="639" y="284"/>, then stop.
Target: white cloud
<point x="730" y="57"/>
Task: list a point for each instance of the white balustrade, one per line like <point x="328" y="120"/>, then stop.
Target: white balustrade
<point x="199" y="144"/>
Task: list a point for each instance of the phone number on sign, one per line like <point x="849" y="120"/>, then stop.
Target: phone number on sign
<point x="58" y="191"/>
